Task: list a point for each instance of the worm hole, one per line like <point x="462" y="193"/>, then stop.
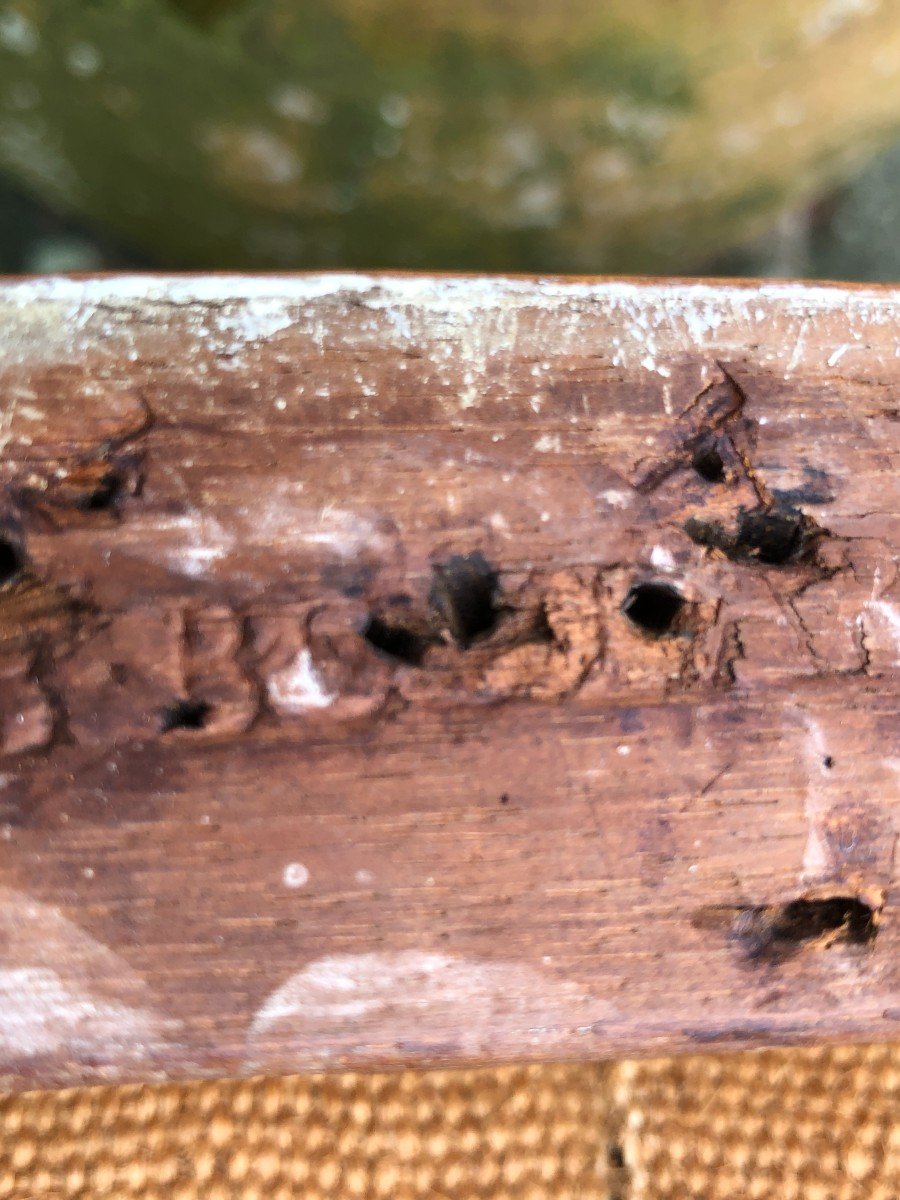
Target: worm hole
<point x="11" y="561"/>
<point x="464" y="594"/>
<point x="653" y="607"/>
<point x="184" y="714"/>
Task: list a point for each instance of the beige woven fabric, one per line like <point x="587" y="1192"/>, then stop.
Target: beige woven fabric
<point x="821" y="1125"/>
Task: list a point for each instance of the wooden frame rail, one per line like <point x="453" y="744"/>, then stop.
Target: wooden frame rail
<point x="412" y="670"/>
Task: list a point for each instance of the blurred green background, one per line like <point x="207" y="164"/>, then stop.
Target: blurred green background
<point x="644" y="136"/>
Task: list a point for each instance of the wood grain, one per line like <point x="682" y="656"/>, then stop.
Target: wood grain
<point x="414" y="670"/>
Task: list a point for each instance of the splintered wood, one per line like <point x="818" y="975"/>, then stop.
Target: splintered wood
<point x="417" y="670"/>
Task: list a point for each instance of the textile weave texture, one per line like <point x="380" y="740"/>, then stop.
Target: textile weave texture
<point x="814" y="1124"/>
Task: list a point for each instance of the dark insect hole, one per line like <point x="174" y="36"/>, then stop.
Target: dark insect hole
<point x="770" y="932"/>
<point x="766" y="535"/>
<point x="464" y="594"/>
<point x="105" y="495"/>
<point x="707" y="462"/>
<point x="770" y="535"/>
<point x="11" y="561"/>
<point x="803" y="920"/>
<point x="653" y="607"/>
<point x="395" y="641"/>
<point x="185" y="714"/>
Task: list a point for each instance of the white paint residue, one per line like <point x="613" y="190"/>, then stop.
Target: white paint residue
<point x="374" y="998"/>
<point x="468" y="397"/>
<point x="256" y="321"/>
<point x="62" y="994"/>
<point x="702" y="319"/>
<point x="660" y="557"/>
<point x="890" y="616"/>
<point x="295" y="875"/>
<point x="463" y="323"/>
<point x="816" y="856"/>
<point x="348" y="985"/>
<point x="798" y="347"/>
<point x="649" y="363"/>
<point x="298" y="687"/>
<point x="195" y="543"/>
<point x="183" y="291"/>
<point x="615" y="498"/>
<point x="344" y="532"/>
<point x="836" y="355"/>
<point x="42" y="1016"/>
<point x="702" y="307"/>
<point x="548" y="443"/>
<point x="7" y="418"/>
<point x="195" y="561"/>
<point x="876" y="581"/>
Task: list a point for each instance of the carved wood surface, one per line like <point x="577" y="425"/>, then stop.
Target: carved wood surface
<point x="417" y="670"/>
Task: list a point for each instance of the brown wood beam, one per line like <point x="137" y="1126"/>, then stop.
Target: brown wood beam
<point x="427" y="670"/>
